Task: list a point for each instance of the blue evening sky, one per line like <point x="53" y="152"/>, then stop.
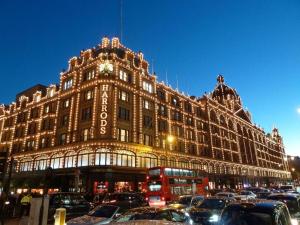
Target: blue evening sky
<point x="254" y="44"/>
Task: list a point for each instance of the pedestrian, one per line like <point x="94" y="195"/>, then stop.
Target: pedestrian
<point x="25" y="204"/>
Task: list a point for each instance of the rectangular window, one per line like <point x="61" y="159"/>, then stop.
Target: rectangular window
<point x="123" y="75"/>
<point x="62" y="139"/>
<point x="147" y="87"/>
<point x="85" y="135"/>
<point x="64" y="120"/>
<point x="176" y="116"/>
<point x="162" y="125"/>
<point x="88" y="75"/>
<point x="162" y="110"/>
<point x="124" y="96"/>
<point x="88" y="95"/>
<point x="147" y="140"/>
<point x="161" y="95"/>
<point x="66" y="103"/>
<point x="147" y="104"/>
<point x="30" y="145"/>
<point x="68" y="84"/>
<point x="189" y="121"/>
<point x="123" y="135"/>
<point x="124" y="113"/>
<point x="45" y="142"/>
<point x="34" y="113"/>
<point x="147" y="121"/>
<point x="86" y="113"/>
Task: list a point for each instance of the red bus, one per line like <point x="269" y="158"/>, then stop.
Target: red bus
<point x="167" y="184"/>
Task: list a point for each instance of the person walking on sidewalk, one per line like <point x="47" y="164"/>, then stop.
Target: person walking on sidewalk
<point x="25" y="204"/>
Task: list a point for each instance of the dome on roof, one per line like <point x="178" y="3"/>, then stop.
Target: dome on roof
<point x="224" y="92"/>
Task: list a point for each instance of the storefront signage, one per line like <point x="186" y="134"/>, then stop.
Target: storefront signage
<point x="103" y="112"/>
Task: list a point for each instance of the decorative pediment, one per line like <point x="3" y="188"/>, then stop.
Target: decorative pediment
<point x="243" y="114"/>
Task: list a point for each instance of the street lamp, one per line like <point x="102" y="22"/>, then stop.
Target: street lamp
<point x="170" y="139"/>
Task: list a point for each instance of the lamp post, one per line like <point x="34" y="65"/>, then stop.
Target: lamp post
<point x="170" y="139"/>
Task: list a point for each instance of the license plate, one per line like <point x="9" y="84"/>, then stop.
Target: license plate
<point x="154" y="198"/>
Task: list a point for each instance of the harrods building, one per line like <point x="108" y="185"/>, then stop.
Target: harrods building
<point x="108" y="120"/>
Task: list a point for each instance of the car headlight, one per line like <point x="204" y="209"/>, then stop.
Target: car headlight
<point x="214" y="218"/>
<point x="294" y="221"/>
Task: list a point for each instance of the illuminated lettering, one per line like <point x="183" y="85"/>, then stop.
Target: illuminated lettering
<point x="103" y="113"/>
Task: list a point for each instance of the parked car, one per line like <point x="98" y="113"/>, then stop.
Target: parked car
<point x="226" y="194"/>
<point x="256" y="213"/>
<point x="100" y="215"/>
<point x="256" y="190"/>
<point x="245" y="195"/>
<point x="149" y="214"/>
<point x="286" y="188"/>
<point x="186" y="201"/>
<point x="262" y="195"/>
<point x="125" y="200"/>
<point x="292" y="201"/>
<point x="209" y="210"/>
<point x="75" y="204"/>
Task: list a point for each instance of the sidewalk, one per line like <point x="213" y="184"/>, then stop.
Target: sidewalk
<point x="16" y="221"/>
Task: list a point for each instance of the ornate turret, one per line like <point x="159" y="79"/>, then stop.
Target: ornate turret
<point x="223" y="93"/>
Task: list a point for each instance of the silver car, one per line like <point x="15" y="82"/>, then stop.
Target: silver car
<point x="100" y="215"/>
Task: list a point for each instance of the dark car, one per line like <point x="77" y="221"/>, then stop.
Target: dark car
<point x="154" y="213"/>
<point x="292" y="201"/>
<point x="125" y="200"/>
<point x="262" y="195"/>
<point x="74" y="203"/>
<point x="256" y="213"/>
<point x="209" y="210"/>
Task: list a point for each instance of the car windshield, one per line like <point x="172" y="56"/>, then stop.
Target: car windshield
<point x="144" y="215"/>
<point x="119" y="197"/>
<point x="212" y="204"/>
<point x="245" y="193"/>
<point x="233" y="217"/>
<point x="106" y="211"/>
<point x="154" y="185"/>
<point x="69" y="199"/>
<point x="225" y="194"/>
<point x="186" y="200"/>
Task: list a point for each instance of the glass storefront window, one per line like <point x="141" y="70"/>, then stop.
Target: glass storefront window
<point x="40" y="164"/>
<point x="26" y="166"/>
<point x="102" y="158"/>
<point x="56" y="162"/>
<point x="70" y="160"/>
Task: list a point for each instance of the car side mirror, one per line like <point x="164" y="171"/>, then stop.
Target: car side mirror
<point x="117" y="215"/>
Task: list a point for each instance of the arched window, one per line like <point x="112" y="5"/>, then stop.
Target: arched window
<point x="123" y="158"/>
<point x="196" y="165"/>
<point x="103" y="157"/>
<point x="85" y="158"/>
<point x="172" y="162"/>
<point x="163" y="161"/>
<point x="182" y="163"/>
<point x="40" y="163"/>
<point x="213" y="116"/>
<point x="26" y="165"/>
<point x="222" y="121"/>
<point x="70" y="159"/>
<point x="56" y="161"/>
<point x="147" y="160"/>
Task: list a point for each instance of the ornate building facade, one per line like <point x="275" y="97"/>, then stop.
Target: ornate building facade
<point x="108" y="120"/>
